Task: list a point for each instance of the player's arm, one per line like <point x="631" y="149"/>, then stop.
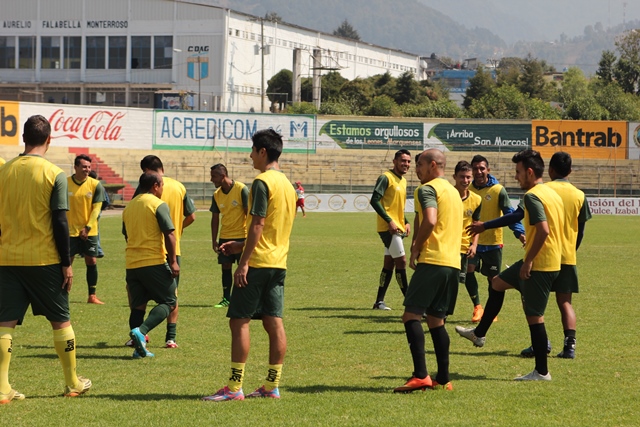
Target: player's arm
<point x="124" y="232"/>
<point x="244" y="194"/>
<point x="427" y="202"/>
<point x="503" y="221"/>
<point x="506" y="208"/>
<point x="215" y="224"/>
<point x="583" y="217"/>
<point x="189" y="210"/>
<point x="59" y="204"/>
<point x="166" y="226"/>
<point x="538" y="219"/>
<point x="378" y="193"/>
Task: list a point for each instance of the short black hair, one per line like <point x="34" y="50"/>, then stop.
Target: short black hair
<point x="401" y="152"/>
<point x="462" y="166"/>
<point x="147" y="181"/>
<point x="479" y="158"/>
<point x="530" y="159"/>
<point x="220" y="168"/>
<point x="271" y="141"/>
<point x="561" y="163"/>
<point x="79" y="157"/>
<point x="152" y="163"/>
<point x="36" y="131"/>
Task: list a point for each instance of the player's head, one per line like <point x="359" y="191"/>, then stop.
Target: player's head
<point x="151" y="163"/>
<point x="529" y="168"/>
<point x="401" y="162"/>
<point x="37" y="131"/>
<point x="268" y="140"/>
<point x="298" y="184"/>
<point x="151" y="182"/>
<point x="463" y="174"/>
<point x="480" y="168"/>
<point x="82" y="166"/>
<point x="560" y="165"/>
<point x="431" y="164"/>
<point x="218" y="173"/>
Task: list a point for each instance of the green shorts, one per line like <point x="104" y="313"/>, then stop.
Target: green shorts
<point x="40" y="286"/>
<point x="567" y="281"/>
<point x="229" y="259"/>
<point x="464" y="263"/>
<point x="152" y="283"/>
<point x="430" y="290"/>
<point x="264" y="292"/>
<point x="534" y="291"/>
<point x="177" y="279"/>
<point x="87" y="247"/>
<point x="488" y="263"/>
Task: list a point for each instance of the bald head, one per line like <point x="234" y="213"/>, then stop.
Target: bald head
<point x="430" y="165"/>
<point x="435" y="155"/>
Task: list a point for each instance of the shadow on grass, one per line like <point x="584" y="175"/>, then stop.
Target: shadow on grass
<point x="324" y="388"/>
<point x="53" y="355"/>
<point x="330" y="309"/>
<point x="374" y="332"/>
<point x="373" y="318"/>
<point x="144" y="397"/>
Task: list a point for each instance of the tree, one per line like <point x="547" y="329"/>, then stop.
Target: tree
<point x="479" y="85"/>
<point x="346" y="30"/>
<point x="531" y="81"/>
<point x="509" y="71"/>
<point x="331" y="84"/>
<point x="505" y="102"/>
<point x="358" y="94"/>
<point x="606" y="67"/>
<point x="273" y="17"/>
<point x="408" y="90"/>
<point x="280" y="84"/>
<point x="383" y="105"/>
<point x="620" y="105"/>
<point x="574" y="86"/>
<point x="627" y="70"/>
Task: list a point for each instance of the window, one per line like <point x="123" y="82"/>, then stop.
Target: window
<point x="72" y="52"/>
<point x="7" y="52"/>
<point x="27" y="52"/>
<point x="141" y="52"/>
<point x="162" y="52"/>
<point x="95" y="51"/>
<point x="117" y="52"/>
<point x="50" y="52"/>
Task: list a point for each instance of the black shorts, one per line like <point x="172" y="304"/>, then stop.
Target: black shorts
<point x="488" y="263"/>
<point x="534" y="291"/>
<point x="152" y="283"/>
<point x="89" y="247"/>
<point x="430" y="290"/>
<point x="264" y="293"/>
<point x="229" y="259"/>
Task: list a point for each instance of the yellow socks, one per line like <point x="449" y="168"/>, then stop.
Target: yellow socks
<point x="273" y="377"/>
<point x="237" y="375"/>
<point x="64" y="340"/>
<point x="5" y="358"/>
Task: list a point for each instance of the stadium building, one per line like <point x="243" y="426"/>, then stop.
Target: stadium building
<point x="184" y="54"/>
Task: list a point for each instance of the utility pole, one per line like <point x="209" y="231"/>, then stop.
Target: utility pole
<point x="262" y="68"/>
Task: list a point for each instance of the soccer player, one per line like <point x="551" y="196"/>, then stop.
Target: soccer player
<point x="435" y="256"/>
<point x="105" y="204"/>
<point x="300" y="201"/>
<point x="229" y="207"/>
<point x="388" y="200"/>
<point x="471" y="204"/>
<point x="35" y="266"/>
<point x="495" y="202"/>
<point x="86" y="196"/>
<point x="151" y="259"/>
<point x="259" y="278"/>
<point x="534" y="275"/>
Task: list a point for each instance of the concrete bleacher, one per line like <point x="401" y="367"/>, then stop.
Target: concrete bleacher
<point x="328" y="171"/>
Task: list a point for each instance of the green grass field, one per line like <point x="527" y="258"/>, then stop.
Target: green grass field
<point x="343" y="358"/>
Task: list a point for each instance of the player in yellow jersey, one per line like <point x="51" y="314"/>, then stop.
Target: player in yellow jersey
<point x="35" y="266"/>
<point x="86" y="196"/>
<point x="151" y="259"/>
<point x="229" y="207"/>
<point x="435" y="256"/>
<point x="259" y="278"/>
<point x="183" y="213"/>
<point x="2" y="161"/>
<point x="535" y="274"/>
<point x="471" y="204"/>
<point x="388" y="200"/>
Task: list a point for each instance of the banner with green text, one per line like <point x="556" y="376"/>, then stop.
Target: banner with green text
<point x="375" y="134"/>
<point x="479" y="137"/>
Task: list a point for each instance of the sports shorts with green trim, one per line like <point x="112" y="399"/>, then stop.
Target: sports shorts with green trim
<point x="430" y="290"/>
<point x="152" y="283"/>
<point x="567" y="281"/>
<point x="488" y="263"/>
<point x="87" y="247"/>
<point x="264" y="292"/>
<point x="534" y="291"/>
<point x="40" y="286"/>
<point x="229" y="259"/>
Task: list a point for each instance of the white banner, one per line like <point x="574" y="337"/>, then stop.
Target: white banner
<point x="634" y="141"/>
<point x="199" y="130"/>
<point x="614" y="206"/>
<point x="91" y="126"/>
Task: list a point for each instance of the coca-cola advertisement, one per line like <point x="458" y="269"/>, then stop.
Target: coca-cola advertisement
<point x="95" y="126"/>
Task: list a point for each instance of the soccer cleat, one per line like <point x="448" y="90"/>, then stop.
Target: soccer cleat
<point x="84" y="384"/>
<point x="222" y="304"/>
<point x="528" y="352"/>
<point x="437" y="386"/>
<point x="170" y="344"/>
<point x="478" y="311"/>
<point x="569" y="349"/>
<point x="469" y="333"/>
<point x="12" y="395"/>
<point x="139" y="342"/>
<point x="225" y="394"/>
<point x="137" y="355"/>
<point x="262" y="392"/>
<point x="414" y="384"/>
<point x="130" y="342"/>
<point x="534" y="376"/>
<point x="94" y="300"/>
<point x="380" y="305"/>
